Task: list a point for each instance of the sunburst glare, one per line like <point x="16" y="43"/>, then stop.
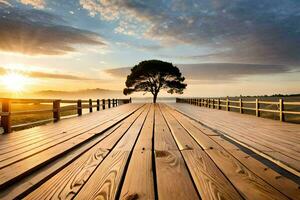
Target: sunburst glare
<point x="15" y="81"/>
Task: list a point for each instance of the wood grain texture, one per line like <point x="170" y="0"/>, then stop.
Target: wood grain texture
<point x="163" y="140"/>
<point x="183" y="140"/>
<point x="139" y="182"/>
<point x="278" y="181"/>
<point x="202" y="139"/>
<point x="24" y="166"/>
<point x="131" y="135"/>
<point x="105" y="181"/>
<point x="210" y="181"/>
<point x="41" y="175"/>
<point x="114" y="157"/>
<point x="248" y="184"/>
<point x="37" y="146"/>
<point x="27" y="135"/>
<point x="277" y="141"/>
<point x="66" y="183"/>
<point x="173" y="179"/>
<point x="145" y="139"/>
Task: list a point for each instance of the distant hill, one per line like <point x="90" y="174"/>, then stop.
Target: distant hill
<point x="96" y="93"/>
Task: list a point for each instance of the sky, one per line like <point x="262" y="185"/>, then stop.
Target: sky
<point x="222" y="47"/>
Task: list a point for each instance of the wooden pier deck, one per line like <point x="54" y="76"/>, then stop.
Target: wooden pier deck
<point x="153" y="151"/>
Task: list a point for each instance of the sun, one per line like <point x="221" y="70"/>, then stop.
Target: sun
<point x="14" y="81"/>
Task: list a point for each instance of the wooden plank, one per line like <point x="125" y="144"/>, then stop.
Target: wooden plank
<point x="202" y="139"/>
<point x="139" y="183"/>
<point x="173" y="179"/>
<point x="283" y="184"/>
<point x="23" y="150"/>
<point x="18" y="155"/>
<point x="66" y="183"/>
<point x="178" y="131"/>
<point x="109" y="141"/>
<point x="27" y="165"/>
<point x="276" y="141"/>
<point x="18" y="189"/>
<point x="69" y="124"/>
<point x="146" y="136"/>
<point x="248" y="183"/>
<point x="210" y="181"/>
<point x="106" y="179"/>
<point x="204" y="129"/>
<point x="37" y="134"/>
<point x="70" y="180"/>
<point x="129" y="138"/>
<point x="75" y="120"/>
<point x="163" y="140"/>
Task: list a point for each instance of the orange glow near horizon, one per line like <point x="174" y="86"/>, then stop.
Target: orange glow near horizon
<point x="15" y="82"/>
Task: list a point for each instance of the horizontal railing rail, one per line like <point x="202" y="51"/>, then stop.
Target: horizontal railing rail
<point x="7" y="112"/>
<point x="240" y="104"/>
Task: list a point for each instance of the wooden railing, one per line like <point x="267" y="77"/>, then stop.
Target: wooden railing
<point x="57" y="107"/>
<point x="239" y="104"/>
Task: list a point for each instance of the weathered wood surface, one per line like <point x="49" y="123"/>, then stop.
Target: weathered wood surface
<point x="137" y="151"/>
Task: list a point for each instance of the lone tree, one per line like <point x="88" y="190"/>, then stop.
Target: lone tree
<point x="154" y="75"/>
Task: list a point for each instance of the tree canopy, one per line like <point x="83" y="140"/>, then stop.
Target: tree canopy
<point x="154" y="75"/>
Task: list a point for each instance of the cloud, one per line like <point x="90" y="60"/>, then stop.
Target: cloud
<point x="147" y="47"/>
<point x="5" y="3"/>
<point x="260" y="31"/>
<point x="39" y="74"/>
<point x="216" y="72"/>
<point x="40" y="4"/>
<point x="36" y="32"/>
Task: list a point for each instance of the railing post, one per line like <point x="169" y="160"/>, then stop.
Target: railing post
<point x="98" y="104"/>
<point x="227" y="104"/>
<point x="108" y="103"/>
<point x="213" y="104"/>
<point x="281" y="109"/>
<point x="130" y="100"/>
<point x="257" y="108"/>
<point x="114" y="102"/>
<point x="56" y="110"/>
<point x="219" y="104"/>
<point x="79" y="107"/>
<point x="117" y="102"/>
<point x="6" y="120"/>
<point x="103" y="104"/>
<point x="241" y="105"/>
<point x="90" y="105"/>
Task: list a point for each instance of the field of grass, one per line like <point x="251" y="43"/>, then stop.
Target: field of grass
<point x="28" y="118"/>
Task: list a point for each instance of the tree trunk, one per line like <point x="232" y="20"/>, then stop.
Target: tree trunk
<point x="154" y="98"/>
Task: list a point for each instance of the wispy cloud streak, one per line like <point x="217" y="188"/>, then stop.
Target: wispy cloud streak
<point x="36" y="32"/>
